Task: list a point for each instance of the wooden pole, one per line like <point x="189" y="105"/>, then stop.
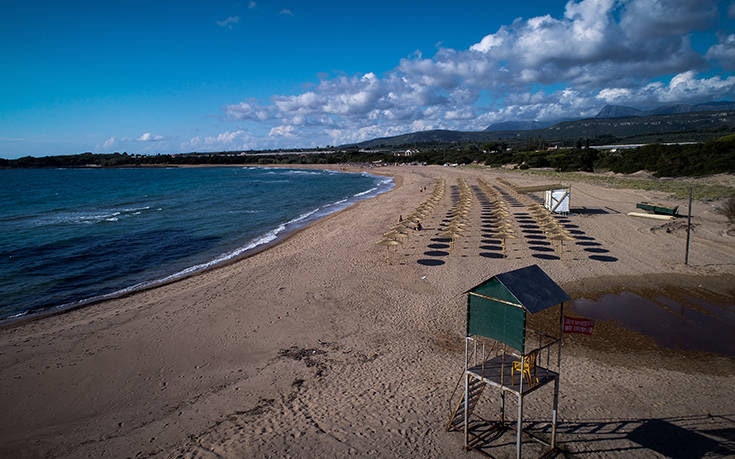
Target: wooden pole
<point x="689" y="227"/>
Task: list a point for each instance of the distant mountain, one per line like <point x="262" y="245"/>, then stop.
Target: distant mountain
<point x="632" y="126"/>
<point x="712" y="106"/>
<point x="688" y="126"/>
<point x="672" y="110"/>
<point x="518" y="126"/>
<point x="425" y="137"/>
<point x="621" y="111"/>
<point x="618" y="111"/>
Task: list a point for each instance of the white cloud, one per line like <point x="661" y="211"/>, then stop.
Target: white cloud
<point x="724" y="52"/>
<point x="597" y="52"/>
<point x="228" y="140"/>
<point x="489" y="42"/>
<point x="247" y="111"/>
<point x="148" y="137"/>
<point x="227" y="137"/>
<point x="686" y="87"/>
<point x="109" y="143"/>
<point x="286" y="12"/>
<point x="251" y="5"/>
<point x="229" y="22"/>
<point x="614" y="95"/>
<point x="282" y="131"/>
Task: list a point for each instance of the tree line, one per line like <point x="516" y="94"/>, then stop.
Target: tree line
<point x="699" y="159"/>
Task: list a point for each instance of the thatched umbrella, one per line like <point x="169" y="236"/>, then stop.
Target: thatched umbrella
<point x="453" y="233"/>
<point x="388" y="243"/>
<point x="560" y="237"/>
<point x="395" y="235"/>
<point x="503" y="235"/>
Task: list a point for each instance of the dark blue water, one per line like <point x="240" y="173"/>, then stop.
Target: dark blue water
<point x="68" y="236"/>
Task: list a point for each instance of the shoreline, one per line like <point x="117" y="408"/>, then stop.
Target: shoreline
<point x="318" y="347"/>
<point x="289" y="228"/>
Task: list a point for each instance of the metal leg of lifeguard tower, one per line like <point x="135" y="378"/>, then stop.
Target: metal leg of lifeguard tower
<point x="519" y="420"/>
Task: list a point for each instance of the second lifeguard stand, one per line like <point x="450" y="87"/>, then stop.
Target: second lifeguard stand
<point x="498" y="309"/>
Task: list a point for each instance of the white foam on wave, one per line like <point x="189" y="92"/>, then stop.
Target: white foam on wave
<point x="89" y="217"/>
<point x="301" y="172"/>
<point x="385" y="184"/>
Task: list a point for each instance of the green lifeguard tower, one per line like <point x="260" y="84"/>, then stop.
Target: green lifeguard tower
<point x="501" y="352"/>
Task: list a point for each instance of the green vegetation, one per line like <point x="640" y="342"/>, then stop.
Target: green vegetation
<point x="701" y="159"/>
<point x="678" y="188"/>
<point x="728" y="210"/>
<point x="674" y="160"/>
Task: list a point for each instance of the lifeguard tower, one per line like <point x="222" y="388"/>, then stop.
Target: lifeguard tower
<point x="502" y="353"/>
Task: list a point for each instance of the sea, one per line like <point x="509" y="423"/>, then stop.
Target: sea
<point x="70" y="237"/>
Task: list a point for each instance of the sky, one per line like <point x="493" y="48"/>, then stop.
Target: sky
<point x="183" y="76"/>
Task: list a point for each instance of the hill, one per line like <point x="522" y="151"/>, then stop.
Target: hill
<point x="621" y="111"/>
<point x="518" y="126"/>
<point x="691" y="126"/>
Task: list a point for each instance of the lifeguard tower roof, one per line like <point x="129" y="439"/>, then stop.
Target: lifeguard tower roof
<point x="497" y="307"/>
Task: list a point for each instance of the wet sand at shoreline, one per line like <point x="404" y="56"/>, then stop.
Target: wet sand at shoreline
<point x="318" y="347"/>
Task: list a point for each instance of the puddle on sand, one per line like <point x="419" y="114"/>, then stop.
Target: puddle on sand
<point x="688" y="323"/>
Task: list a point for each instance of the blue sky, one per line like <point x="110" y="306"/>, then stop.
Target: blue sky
<point x="180" y="76"/>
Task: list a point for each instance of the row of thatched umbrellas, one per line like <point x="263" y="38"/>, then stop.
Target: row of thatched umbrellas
<point x="500" y="215"/>
<point x="400" y="232"/>
<point x="553" y="230"/>
<point x="459" y="220"/>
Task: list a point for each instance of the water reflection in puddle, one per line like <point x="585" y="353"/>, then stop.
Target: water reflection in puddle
<point x="689" y="323"/>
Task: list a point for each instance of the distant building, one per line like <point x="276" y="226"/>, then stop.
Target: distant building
<point x="409" y="152"/>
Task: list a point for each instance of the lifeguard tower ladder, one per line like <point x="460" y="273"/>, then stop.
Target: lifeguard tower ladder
<point x="515" y="360"/>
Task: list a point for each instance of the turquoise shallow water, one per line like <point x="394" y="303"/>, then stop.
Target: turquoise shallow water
<point x="69" y="236"/>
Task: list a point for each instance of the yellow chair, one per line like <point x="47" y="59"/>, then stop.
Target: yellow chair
<point x="529" y="363"/>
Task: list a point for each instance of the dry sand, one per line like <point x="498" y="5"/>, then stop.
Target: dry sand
<point x="319" y="348"/>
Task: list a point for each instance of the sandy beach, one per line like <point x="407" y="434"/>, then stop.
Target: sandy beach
<point x="319" y="347"/>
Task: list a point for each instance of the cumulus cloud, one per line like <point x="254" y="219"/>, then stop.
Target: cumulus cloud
<point x="226" y="137"/>
<point x="230" y="21"/>
<point x="109" y="143"/>
<point x="223" y="141"/>
<point x="724" y="52"/>
<point x="544" y="68"/>
<point x="148" y="137"/>
<point x="282" y="131"/>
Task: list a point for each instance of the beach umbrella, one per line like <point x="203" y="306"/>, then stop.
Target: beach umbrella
<point x="402" y="231"/>
<point x="388" y="243"/>
<point x="559" y="238"/>
<point x="453" y="234"/>
<point x="394" y="235"/>
<point x="503" y="235"/>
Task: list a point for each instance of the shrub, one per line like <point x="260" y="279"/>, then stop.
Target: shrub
<point x="728" y="209"/>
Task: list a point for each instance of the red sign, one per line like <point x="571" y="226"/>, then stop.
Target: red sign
<point x="574" y="325"/>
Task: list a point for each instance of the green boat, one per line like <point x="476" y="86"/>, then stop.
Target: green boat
<point x="656" y="209"/>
